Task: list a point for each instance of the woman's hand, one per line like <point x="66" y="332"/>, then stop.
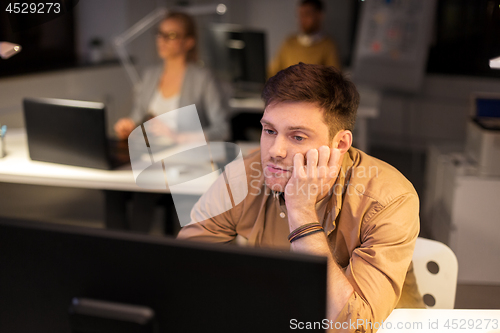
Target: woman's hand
<point x="189" y="137"/>
<point x="124" y="127"/>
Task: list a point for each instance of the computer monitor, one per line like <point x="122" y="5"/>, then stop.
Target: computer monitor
<point x="191" y="287"/>
<point x="68" y="132"/>
<point x="238" y="55"/>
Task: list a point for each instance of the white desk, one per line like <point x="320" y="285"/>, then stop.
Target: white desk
<point x="440" y="320"/>
<point x="17" y="167"/>
<point x="369" y="108"/>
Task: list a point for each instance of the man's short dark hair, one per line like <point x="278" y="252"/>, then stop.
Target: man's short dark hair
<point x="324" y="86"/>
<point x="317" y="4"/>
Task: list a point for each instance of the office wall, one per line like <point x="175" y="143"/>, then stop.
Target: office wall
<point x="437" y="114"/>
<point x="102" y="19"/>
<point x="108" y="19"/>
<point x="107" y="84"/>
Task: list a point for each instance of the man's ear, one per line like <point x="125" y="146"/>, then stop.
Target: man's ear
<point x="343" y="141"/>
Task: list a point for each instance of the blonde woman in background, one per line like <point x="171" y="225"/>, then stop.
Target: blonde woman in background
<point x="179" y="81"/>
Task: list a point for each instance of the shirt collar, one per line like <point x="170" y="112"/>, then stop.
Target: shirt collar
<point x="337" y="192"/>
<point x="342" y="179"/>
<point x="309" y="39"/>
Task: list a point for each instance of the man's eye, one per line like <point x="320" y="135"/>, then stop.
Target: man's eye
<point x="270" y="132"/>
<point x="299" y="138"/>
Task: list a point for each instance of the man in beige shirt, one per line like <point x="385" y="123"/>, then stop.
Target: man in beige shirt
<point x="311" y="45"/>
<point x="310" y="191"/>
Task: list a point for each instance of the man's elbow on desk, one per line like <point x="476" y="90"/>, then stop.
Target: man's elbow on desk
<point x="355" y="316"/>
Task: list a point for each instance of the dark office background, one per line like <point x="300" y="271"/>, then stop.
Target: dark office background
<point x="466" y="32"/>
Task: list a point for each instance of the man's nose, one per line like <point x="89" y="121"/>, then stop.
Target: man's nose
<point x="278" y="148"/>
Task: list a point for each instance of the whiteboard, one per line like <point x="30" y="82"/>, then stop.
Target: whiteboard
<point x="392" y="43"/>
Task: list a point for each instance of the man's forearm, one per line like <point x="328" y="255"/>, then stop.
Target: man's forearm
<point x="339" y="289"/>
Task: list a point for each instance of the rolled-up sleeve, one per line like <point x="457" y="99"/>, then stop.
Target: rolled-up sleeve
<point x="206" y="226"/>
<point x="377" y="269"/>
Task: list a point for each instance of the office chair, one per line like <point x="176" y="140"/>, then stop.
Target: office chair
<point x="436" y="269"/>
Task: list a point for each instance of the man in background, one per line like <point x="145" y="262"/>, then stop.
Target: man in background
<point x="311" y="45"/>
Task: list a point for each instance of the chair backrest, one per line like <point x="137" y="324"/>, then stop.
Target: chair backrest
<point x="436" y="269"/>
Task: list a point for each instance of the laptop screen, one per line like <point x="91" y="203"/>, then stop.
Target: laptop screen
<point x="67" y="132"/>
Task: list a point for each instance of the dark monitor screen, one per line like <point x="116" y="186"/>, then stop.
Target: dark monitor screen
<point x="67" y="132"/>
<point x="191" y="287"/>
<point x="238" y="55"/>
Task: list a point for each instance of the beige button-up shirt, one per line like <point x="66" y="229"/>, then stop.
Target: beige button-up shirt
<point x="371" y="221"/>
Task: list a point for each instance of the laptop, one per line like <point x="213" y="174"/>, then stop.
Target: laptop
<point x="71" y="132"/>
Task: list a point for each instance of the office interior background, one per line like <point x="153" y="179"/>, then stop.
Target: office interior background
<point x="421" y="132"/>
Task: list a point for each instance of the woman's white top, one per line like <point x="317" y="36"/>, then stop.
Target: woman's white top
<point x="162" y="105"/>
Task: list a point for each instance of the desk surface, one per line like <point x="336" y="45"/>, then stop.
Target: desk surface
<point x="442" y="320"/>
<point x="17" y="167"/>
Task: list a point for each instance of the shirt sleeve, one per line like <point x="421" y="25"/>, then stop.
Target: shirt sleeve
<point x="377" y="269"/>
<point x="206" y="225"/>
<point x="277" y="63"/>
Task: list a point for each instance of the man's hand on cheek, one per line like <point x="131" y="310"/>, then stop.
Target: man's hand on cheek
<point x="310" y="181"/>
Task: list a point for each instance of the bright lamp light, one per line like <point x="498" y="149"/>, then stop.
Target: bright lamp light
<point x="7" y="49"/>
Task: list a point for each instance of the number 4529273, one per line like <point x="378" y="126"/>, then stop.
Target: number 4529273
<point x="34" y="8"/>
